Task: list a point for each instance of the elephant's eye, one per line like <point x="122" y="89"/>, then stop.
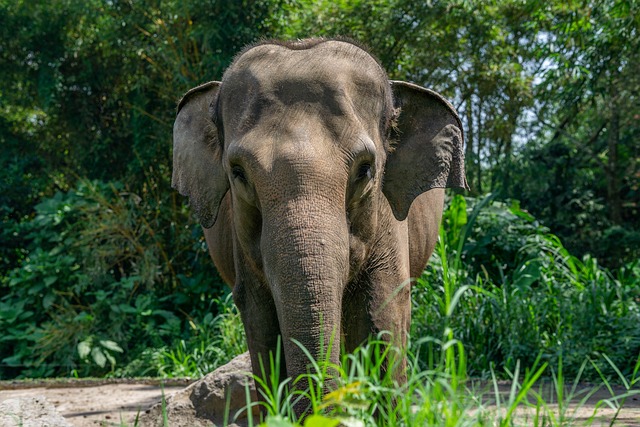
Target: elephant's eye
<point x="364" y="171"/>
<point x="238" y="173"/>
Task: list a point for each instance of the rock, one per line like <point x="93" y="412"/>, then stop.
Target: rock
<point x="204" y="403"/>
<point x="30" y="412"/>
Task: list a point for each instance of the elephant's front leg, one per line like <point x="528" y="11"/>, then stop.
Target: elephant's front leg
<point x="262" y="330"/>
<point x="380" y="302"/>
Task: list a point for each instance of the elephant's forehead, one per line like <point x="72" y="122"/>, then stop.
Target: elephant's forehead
<point x="330" y="62"/>
<point x="273" y="81"/>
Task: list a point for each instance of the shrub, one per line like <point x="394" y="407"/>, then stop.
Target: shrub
<point x="212" y="342"/>
<point x="100" y="282"/>
<point x="519" y="294"/>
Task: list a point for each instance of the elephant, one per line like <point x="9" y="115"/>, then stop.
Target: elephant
<point x="320" y="185"/>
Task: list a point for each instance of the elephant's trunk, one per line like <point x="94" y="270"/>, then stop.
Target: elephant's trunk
<point x="306" y="259"/>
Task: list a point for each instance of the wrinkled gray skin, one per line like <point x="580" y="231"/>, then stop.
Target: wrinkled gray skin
<point x="319" y="185"/>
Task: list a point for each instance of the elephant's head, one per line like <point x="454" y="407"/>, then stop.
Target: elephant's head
<point x="323" y="157"/>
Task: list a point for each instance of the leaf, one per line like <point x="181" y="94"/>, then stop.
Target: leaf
<point x="83" y="317"/>
<point x="124" y="308"/>
<point x="527" y="274"/>
<point x="278" y="421"/>
<point x="48" y="300"/>
<point x="517" y="211"/>
<point x="98" y="357"/>
<point x="84" y="348"/>
<point x="111" y="345"/>
<point x="110" y="358"/>
<point x="15" y="360"/>
<point x="320" y="421"/>
<point x="457" y="214"/>
<point x="9" y="313"/>
<point x="16" y="280"/>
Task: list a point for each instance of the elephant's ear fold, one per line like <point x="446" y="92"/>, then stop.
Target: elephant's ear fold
<point x="428" y="150"/>
<point x="197" y="154"/>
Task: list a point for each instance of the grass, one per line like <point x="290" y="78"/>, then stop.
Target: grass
<point x="538" y="300"/>
<point x="366" y="395"/>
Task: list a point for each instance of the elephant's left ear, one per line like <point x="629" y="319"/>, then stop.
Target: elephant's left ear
<point x="197" y="154"/>
<point x="429" y="147"/>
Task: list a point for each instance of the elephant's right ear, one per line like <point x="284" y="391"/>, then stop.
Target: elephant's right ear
<point x="197" y="154"/>
<point x="428" y="152"/>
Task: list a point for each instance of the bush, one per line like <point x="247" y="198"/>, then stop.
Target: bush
<point x="519" y="294"/>
<point x="100" y="282"/>
<point x="212" y="342"/>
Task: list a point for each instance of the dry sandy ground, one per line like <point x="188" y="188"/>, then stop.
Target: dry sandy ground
<point x="96" y="403"/>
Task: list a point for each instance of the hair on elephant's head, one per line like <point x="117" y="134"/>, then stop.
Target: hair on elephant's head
<point x="317" y="159"/>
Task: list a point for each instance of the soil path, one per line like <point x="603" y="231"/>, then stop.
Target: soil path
<point x="107" y="403"/>
<point x="90" y="403"/>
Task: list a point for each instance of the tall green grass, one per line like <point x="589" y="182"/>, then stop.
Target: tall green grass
<point x="366" y="395"/>
<point x="533" y="300"/>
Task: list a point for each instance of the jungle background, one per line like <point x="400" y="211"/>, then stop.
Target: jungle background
<point x="104" y="270"/>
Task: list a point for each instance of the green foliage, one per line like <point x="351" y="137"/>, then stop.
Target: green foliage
<point x="520" y="294"/>
<point x="100" y="352"/>
<point x="96" y="280"/>
<point x="212" y="342"/>
<point x="569" y="195"/>
<point x="89" y="91"/>
<point x="96" y="83"/>
<point x="361" y="394"/>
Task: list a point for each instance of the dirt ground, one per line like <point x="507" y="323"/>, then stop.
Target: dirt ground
<point x="90" y="403"/>
<point x="99" y="403"/>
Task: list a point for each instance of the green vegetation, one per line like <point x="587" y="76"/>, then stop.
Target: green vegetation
<point x="442" y="396"/>
<point x="97" y="283"/>
<point x="518" y="295"/>
<point x="103" y="270"/>
<point x="499" y="283"/>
